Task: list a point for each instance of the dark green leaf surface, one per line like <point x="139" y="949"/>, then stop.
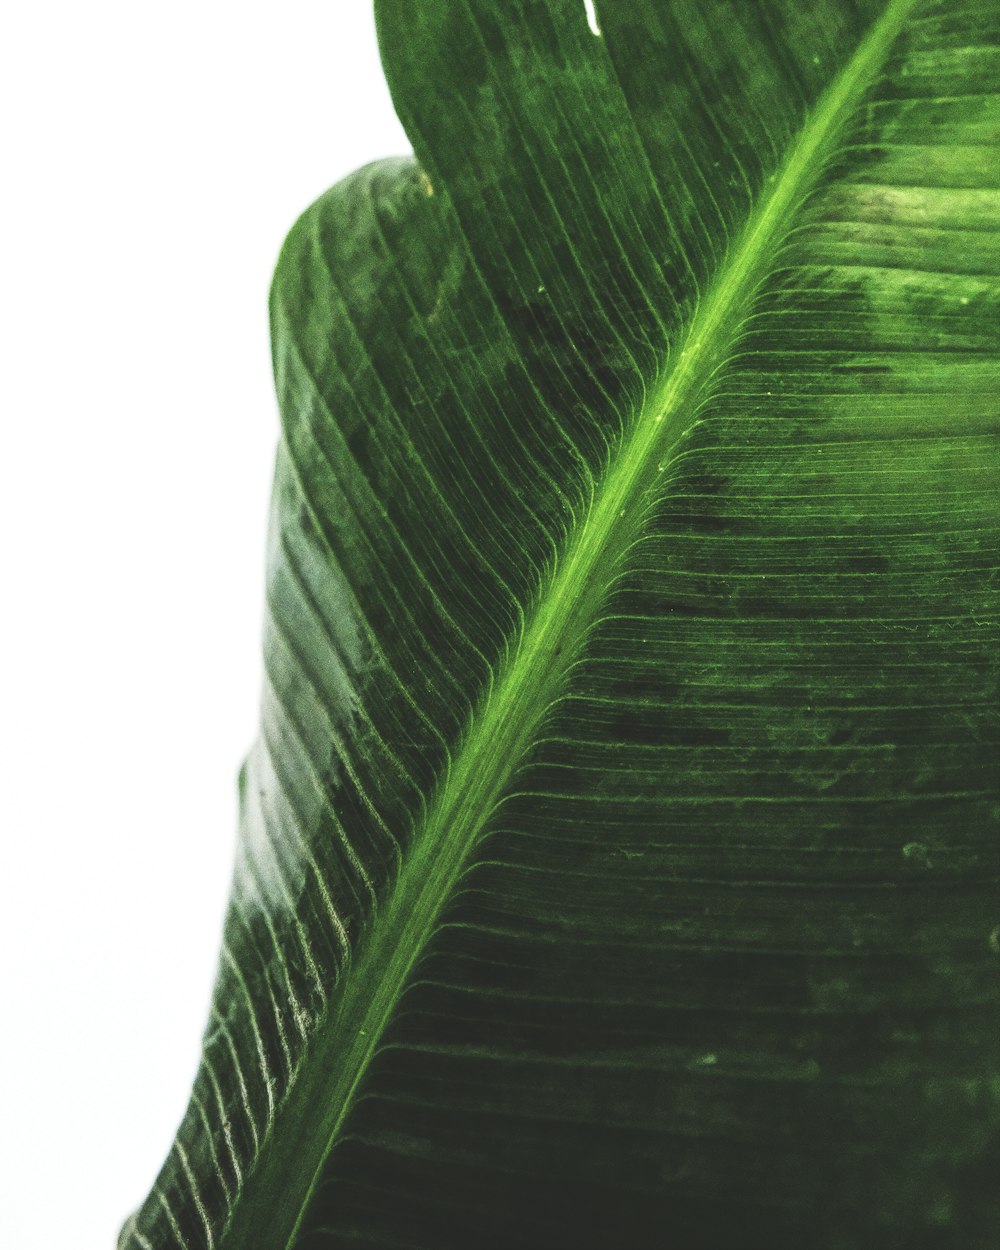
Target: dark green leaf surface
<point x="619" y="860"/>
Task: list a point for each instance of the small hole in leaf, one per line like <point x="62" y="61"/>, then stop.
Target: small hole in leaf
<point x="588" y="6"/>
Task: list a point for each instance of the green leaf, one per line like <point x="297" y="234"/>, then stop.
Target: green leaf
<point x="619" y="859"/>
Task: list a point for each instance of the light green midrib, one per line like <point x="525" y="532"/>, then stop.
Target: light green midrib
<point x="276" y="1195"/>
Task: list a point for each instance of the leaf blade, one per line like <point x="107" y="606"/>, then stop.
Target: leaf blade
<point x="613" y="386"/>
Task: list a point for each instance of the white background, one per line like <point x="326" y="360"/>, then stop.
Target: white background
<point x="153" y="159"/>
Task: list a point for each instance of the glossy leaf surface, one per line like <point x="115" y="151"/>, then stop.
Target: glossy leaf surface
<point x="619" y="858"/>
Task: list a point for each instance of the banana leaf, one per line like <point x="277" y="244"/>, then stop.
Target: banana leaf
<point x="619" y="857"/>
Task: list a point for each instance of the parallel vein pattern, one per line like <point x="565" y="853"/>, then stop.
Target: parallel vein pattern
<point x="619" y="858"/>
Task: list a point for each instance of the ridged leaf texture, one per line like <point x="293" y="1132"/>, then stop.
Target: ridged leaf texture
<point x="618" y="862"/>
